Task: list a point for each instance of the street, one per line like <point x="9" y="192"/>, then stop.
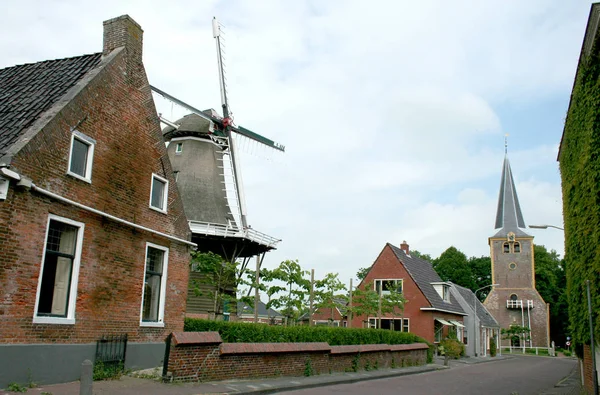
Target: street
<point x="522" y="375"/>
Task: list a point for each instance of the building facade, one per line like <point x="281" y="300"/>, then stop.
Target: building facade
<point x="93" y="237"/>
<point x="430" y="310"/>
<point x="515" y="300"/>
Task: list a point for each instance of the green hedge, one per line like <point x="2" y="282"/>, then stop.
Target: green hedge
<point x="580" y="173"/>
<point x="239" y="332"/>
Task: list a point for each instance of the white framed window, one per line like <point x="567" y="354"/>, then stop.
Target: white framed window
<point x="385" y="286"/>
<point x="159" y="193"/>
<point x="178" y="148"/>
<point x="438" y="331"/>
<point x="81" y="156"/>
<point x="155" y="283"/>
<point x="59" y="272"/>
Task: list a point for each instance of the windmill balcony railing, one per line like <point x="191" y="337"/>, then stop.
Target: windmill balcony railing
<point x="212" y="229"/>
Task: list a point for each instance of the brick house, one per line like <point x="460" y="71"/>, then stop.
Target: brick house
<point x="336" y="315"/>
<point x="93" y="237"/>
<point x="430" y="311"/>
<point x="245" y="313"/>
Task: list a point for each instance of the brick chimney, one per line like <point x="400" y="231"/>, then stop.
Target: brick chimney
<point x="123" y="31"/>
<point x="404" y="247"/>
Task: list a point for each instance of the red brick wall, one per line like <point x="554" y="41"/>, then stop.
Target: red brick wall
<point x="588" y="371"/>
<point x="421" y="323"/>
<point x="199" y="358"/>
<point x="129" y="148"/>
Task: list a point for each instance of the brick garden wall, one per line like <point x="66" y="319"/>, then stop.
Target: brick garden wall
<point x="201" y="356"/>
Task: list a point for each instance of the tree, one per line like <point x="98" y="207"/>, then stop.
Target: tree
<point x="453" y="266"/>
<point x="327" y="292"/>
<point x="551" y="283"/>
<point x="218" y="280"/>
<point x="362" y="273"/>
<point x="369" y="302"/>
<point x="291" y="299"/>
<point x="517" y="335"/>
<point x="481" y="268"/>
<point x="418" y="254"/>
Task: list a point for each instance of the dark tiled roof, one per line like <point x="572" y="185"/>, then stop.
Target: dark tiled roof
<point x="243" y="308"/>
<point x="423" y="275"/>
<point x="27" y="90"/>
<point x="484" y="316"/>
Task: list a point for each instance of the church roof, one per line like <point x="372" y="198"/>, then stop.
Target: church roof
<point x="509" y="217"/>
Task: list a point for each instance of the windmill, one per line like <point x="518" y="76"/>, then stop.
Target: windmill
<point x="202" y="148"/>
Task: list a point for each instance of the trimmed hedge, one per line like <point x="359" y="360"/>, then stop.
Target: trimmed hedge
<point x="240" y="332"/>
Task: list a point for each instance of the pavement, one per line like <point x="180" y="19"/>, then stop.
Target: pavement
<point x="145" y="384"/>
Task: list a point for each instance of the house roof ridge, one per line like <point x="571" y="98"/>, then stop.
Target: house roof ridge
<point x="51" y="60"/>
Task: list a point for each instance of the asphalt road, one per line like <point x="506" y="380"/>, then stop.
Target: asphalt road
<point x="523" y="375"/>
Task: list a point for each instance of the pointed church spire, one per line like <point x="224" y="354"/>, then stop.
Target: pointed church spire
<point x="509" y="217"/>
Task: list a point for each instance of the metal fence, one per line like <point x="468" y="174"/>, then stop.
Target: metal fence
<point x="111" y="350"/>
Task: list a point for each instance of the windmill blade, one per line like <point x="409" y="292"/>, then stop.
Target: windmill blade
<point x="257" y="137"/>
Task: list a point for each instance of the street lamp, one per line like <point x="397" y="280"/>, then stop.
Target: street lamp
<point x="545" y="227"/>
<point x="475" y="335"/>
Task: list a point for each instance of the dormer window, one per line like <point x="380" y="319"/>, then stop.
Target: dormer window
<point x="443" y="289"/>
<point x="81" y="156"/>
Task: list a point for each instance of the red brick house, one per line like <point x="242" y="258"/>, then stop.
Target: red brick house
<point x="93" y="237"/>
<point x="430" y="311"/>
<point x="335" y="315"/>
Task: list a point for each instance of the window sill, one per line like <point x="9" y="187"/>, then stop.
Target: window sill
<point x="75" y="175"/>
<point x="152" y="324"/>
<point x="157" y="209"/>
<point x="54" y="320"/>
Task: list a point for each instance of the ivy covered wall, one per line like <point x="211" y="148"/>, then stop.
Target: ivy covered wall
<point x="580" y="171"/>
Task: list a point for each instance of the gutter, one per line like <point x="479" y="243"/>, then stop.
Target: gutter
<point x="106" y="215"/>
<point x="441" y="310"/>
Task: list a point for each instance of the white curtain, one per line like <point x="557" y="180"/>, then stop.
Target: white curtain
<point x="64" y="265"/>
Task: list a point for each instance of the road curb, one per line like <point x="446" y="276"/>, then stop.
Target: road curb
<point x="328" y="381"/>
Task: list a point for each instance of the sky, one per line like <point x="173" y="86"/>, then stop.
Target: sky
<point x="393" y="113"/>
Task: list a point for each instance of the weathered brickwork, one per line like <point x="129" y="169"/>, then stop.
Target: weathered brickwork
<point x="515" y="272"/>
<point x="199" y="358"/>
<point x="114" y="108"/>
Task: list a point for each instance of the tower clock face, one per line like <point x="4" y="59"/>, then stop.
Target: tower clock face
<point x="511" y="236"/>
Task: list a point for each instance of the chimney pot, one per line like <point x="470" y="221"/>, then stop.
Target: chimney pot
<point x="404" y="247"/>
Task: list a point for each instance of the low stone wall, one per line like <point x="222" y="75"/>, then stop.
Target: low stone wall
<point x="202" y="356"/>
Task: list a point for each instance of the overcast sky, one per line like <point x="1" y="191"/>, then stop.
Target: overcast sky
<point x="393" y="113"/>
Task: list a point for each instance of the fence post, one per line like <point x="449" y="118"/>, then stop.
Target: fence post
<point x="167" y="354"/>
<point x="86" y="380"/>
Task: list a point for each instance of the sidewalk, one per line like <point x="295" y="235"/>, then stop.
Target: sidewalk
<point x="132" y="386"/>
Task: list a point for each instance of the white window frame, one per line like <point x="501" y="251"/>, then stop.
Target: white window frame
<point x="71" y="303"/>
<point x="377" y="322"/>
<point x="165" y="193"/>
<point x="90" y="142"/>
<point x="382" y="280"/>
<point x="163" y="288"/>
<point x="178" y="148"/>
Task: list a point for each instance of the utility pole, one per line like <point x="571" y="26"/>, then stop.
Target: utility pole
<point x="256" y="293"/>
<point x="350" y="306"/>
<point x="312" y="297"/>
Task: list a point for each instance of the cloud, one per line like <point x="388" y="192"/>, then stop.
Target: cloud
<point x="388" y="110"/>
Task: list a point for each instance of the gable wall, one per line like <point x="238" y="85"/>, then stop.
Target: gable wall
<point x="387" y="266"/>
<point x="129" y="148"/>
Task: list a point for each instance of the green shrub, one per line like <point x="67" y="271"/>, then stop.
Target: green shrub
<point x="308" y="369"/>
<point x="493" y="347"/>
<point x="16" y="387"/>
<point x="566" y="353"/>
<point x="240" y="332"/>
<point x="452" y="348"/>
<point x="108" y="371"/>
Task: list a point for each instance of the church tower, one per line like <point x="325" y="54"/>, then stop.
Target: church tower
<point x="515" y="300"/>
